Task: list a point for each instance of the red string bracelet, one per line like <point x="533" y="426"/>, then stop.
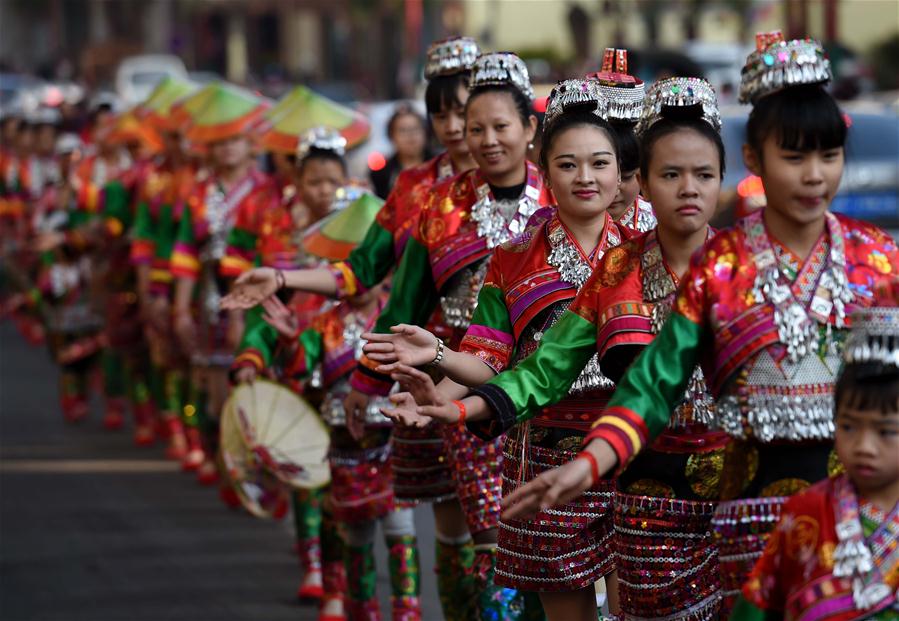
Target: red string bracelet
<point x="462" y="412"/>
<point x="594" y="465"/>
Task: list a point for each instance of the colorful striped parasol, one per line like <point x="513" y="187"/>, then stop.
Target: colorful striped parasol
<point x="302" y="109"/>
<point x="223" y="111"/>
<point x="183" y="110"/>
<point x="157" y="109"/>
<point x="335" y="236"/>
<point x="127" y="127"/>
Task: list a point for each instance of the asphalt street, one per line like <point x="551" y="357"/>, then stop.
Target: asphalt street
<point x="94" y="529"/>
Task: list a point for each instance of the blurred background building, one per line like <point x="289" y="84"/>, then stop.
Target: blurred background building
<point x="371" y="49"/>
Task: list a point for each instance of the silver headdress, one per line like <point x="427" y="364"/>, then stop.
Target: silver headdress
<point x="498" y="68"/>
<point x="679" y="93"/>
<point x="67" y="143"/>
<point x="324" y="138"/>
<point x="570" y="94"/>
<point x="450" y="56"/>
<point x="623" y="94"/>
<point x="346" y="195"/>
<point x="874" y="337"/>
<point x="44" y="116"/>
<point x="777" y="64"/>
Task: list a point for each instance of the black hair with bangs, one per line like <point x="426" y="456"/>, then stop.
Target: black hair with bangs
<point x="522" y="103"/>
<point x="442" y="92"/>
<point x="575" y="118"/>
<point x="404" y="109"/>
<point x="675" y="119"/>
<point x="628" y="146"/>
<point x="804" y="118"/>
<point x="868" y="386"/>
<point x="324" y="155"/>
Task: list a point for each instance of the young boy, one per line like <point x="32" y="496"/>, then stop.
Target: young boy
<point x="835" y="552"/>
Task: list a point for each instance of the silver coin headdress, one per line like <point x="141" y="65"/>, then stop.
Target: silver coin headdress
<point x="777" y="64"/>
<point x="323" y="138"/>
<point x="499" y="68"/>
<point x="571" y="95"/>
<point x="623" y="94"/>
<point x="680" y="93"/>
<point x="874" y="335"/>
<point x="450" y="56"/>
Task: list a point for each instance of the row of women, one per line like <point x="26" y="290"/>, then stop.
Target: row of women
<point x="641" y="393"/>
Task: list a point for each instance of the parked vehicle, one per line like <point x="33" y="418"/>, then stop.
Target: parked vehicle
<point x="136" y="76"/>
<point x="869" y="189"/>
<point x="20" y="92"/>
<point x="720" y="64"/>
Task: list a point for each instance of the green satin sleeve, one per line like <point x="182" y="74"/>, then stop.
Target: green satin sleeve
<point x="490" y="335"/>
<point x="184" y="230"/>
<point x="491" y="310"/>
<point x="258" y="335"/>
<point x="746" y="611"/>
<point x="413" y="296"/>
<point x="309" y="354"/>
<point x="373" y="259"/>
<point x="544" y="377"/>
<point x="655" y="383"/>
<point x="116" y="199"/>
<point x="167" y="227"/>
<point x="143" y="224"/>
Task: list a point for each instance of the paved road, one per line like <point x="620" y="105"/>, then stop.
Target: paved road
<point x="94" y="529"/>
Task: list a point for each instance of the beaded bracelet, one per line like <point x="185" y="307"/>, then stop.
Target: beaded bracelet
<point x="594" y="465"/>
<point x="462" y="412"/>
<point x="441" y="351"/>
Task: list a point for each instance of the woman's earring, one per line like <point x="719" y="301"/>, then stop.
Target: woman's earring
<point x="530" y="146"/>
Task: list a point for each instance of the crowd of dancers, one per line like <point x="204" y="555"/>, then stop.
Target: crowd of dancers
<point x="537" y="333"/>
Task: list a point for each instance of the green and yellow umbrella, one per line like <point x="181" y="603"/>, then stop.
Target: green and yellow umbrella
<point x="183" y="111"/>
<point x="335" y="236"/>
<point x="282" y="105"/>
<point x="127" y="127"/>
<point x="157" y="108"/>
<point x="226" y="111"/>
<point x="302" y="109"/>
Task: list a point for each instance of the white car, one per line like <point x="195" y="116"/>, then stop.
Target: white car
<point x="721" y="64"/>
<point x="137" y="76"/>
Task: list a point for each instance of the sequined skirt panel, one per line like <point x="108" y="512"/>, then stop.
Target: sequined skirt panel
<point x="477" y="474"/>
<point x="361" y="479"/>
<point x="124" y="328"/>
<point x="742" y="528"/>
<point x="421" y="470"/>
<point x="667" y="559"/>
<point x="560" y="549"/>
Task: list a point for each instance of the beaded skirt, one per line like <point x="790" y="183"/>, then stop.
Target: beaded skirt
<point x="667" y="559"/>
<point x="124" y="328"/>
<point x="361" y="479"/>
<point x="560" y="549"/>
<point x="742" y="528"/>
<point x="477" y="474"/>
<point x="421" y="470"/>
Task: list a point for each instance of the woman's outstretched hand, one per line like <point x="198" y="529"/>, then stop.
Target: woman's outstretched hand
<point x="410" y="345"/>
<point x="431" y="404"/>
<point x="251" y="288"/>
<point x="281" y="318"/>
<point x="560" y="485"/>
<point x="405" y="411"/>
<point x="355" y="404"/>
